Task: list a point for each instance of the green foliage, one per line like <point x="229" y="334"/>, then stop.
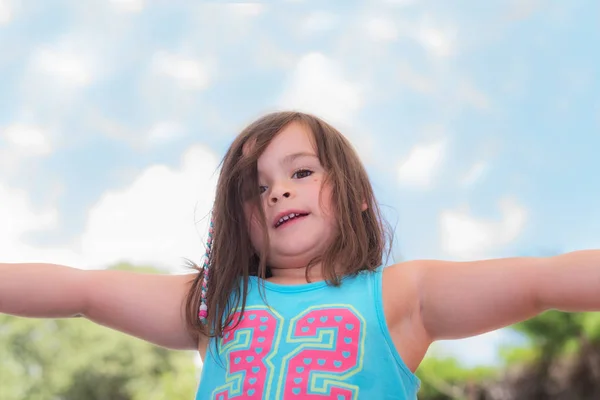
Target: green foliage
<point x="445" y="378"/>
<point x="551" y="329"/>
<point x="590" y="324"/>
<point x="74" y="359"/>
<point x="513" y="355"/>
<point x="559" y="333"/>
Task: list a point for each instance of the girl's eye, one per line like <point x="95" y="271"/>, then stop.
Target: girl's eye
<point x="302" y="173"/>
<point x="262" y="189"/>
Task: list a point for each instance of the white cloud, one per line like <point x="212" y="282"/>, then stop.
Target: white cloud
<point x="152" y="221"/>
<point x="468" y="93"/>
<point x="318" y="21"/>
<point x="64" y="62"/>
<point x="158" y="133"/>
<point x="6" y="12"/>
<point x="188" y="72"/>
<point x="415" y="80"/>
<point x="402" y="3"/>
<point x="246" y="9"/>
<point x="20" y="144"/>
<point x="438" y="40"/>
<point x="27" y="139"/>
<point x="381" y="29"/>
<point x="19" y="218"/>
<point x="164" y="131"/>
<point x="466" y="237"/>
<point x="476" y="172"/>
<point x="58" y="70"/>
<point x="422" y="164"/>
<point x="523" y="9"/>
<point x="318" y="86"/>
<point x="128" y="6"/>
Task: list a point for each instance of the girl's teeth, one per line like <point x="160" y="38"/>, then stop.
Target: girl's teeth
<point x="286" y="218"/>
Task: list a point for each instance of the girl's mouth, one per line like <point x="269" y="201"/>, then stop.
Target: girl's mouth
<point x="289" y="217"/>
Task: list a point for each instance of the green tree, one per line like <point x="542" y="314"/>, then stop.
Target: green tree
<point x="445" y="378"/>
<point x="562" y="359"/>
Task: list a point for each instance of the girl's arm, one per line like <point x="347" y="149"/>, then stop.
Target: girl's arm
<point x="148" y="306"/>
<point x="462" y="299"/>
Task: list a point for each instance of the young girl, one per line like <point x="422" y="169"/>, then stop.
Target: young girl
<point x="292" y="301"/>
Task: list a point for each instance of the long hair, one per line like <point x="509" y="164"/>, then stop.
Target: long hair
<point x="361" y="235"/>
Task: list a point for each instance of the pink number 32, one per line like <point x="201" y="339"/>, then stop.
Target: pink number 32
<point x="326" y="349"/>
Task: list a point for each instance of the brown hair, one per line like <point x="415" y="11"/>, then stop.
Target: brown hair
<point x="361" y="237"/>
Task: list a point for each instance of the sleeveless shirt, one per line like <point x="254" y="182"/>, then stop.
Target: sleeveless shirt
<point x="309" y="341"/>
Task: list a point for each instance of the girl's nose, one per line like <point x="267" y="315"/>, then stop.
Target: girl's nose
<point x="276" y="196"/>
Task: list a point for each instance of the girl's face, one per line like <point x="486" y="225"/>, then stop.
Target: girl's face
<point x="300" y="219"/>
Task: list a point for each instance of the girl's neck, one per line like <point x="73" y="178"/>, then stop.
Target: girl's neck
<point x="295" y="276"/>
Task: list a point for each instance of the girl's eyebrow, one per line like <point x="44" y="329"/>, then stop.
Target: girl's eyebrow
<point x="292" y="157"/>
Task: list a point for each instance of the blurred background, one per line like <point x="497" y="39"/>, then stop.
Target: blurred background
<point x="479" y="123"/>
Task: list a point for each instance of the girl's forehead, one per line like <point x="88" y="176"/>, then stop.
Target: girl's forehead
<point x="295" y="138"/>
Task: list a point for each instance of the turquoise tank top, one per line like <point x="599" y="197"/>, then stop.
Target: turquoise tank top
<point x="310" y="341"/>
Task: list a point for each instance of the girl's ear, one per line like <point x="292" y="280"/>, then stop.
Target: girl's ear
<point x="364" y="206"/>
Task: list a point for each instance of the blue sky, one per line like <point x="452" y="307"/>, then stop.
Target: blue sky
<point x="479" y="123"/>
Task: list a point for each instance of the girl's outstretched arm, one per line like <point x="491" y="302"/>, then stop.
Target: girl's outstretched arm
<point x="462" y="299"/>
<point x="148" y="306"/>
